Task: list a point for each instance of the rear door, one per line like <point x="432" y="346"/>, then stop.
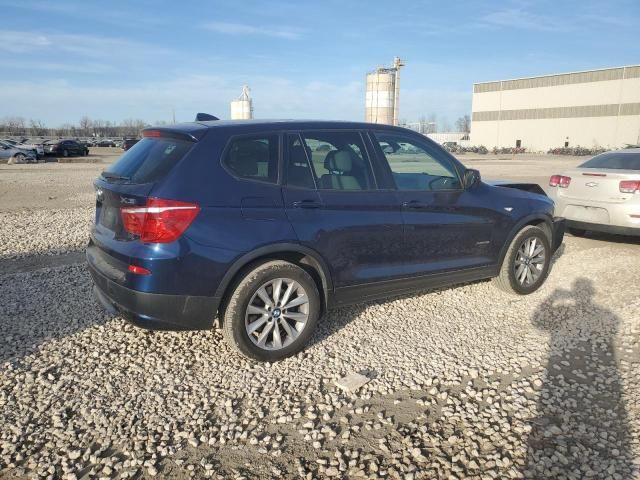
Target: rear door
<point x="335" y="206"/>
<point x="445" y="226"/>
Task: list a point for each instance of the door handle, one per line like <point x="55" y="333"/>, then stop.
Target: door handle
<point x="306" y="204"/>
<point x="413" y="204"/>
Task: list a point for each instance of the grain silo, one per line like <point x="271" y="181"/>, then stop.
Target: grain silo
<point x="242" y="107"/>
<point x="383" y="94"/>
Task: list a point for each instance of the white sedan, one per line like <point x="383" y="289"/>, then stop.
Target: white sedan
<point x="38" y="150"/>
<point x="602" y="194"/>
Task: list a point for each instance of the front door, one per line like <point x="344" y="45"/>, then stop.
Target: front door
<point x="332" y="200"/>
<point x="445" y="227"/>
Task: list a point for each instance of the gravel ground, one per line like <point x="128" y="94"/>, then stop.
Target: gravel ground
<point x="32" y="232"/>
<point x="464" y="383"/>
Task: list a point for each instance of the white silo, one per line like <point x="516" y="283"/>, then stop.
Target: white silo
<point x="383" y="94"/>
<point x="242" y="107"/>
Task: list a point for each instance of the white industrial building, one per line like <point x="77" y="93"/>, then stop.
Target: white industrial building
<point x="382" y="98"/>
<point x="242" y="107"/>
<point x="591" y="108"/>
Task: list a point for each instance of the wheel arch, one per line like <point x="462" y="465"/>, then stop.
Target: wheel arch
<point x="304" y="257"/>
<point x="535" y="219"/>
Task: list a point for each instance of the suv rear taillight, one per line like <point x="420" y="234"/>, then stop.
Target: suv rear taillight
<point x="559" y="181"/>
<point x="159" y="220"/>
<point x="630" y="186"/>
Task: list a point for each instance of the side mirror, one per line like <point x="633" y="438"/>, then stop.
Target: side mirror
<point x="471" y="177"/>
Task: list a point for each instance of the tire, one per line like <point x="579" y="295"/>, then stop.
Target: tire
<point x="65" y="153"/>
<point x="238" y="319"/>
<point x="577" y="232"/>
<point x="510" y="277"/>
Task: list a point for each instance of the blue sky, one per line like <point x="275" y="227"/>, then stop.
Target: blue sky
<point x="62" y="59"/>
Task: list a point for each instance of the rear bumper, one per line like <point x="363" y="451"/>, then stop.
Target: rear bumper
<point x="614" y="229"/>
<point x="559" y="227"/>
<point x="152" y="310"/>
<point x="600" y="216"/>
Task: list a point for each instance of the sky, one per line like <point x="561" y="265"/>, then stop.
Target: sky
<point x="112" y="60"/>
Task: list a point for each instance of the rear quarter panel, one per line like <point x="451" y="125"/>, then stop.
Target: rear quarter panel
<point x="236" y="215"/>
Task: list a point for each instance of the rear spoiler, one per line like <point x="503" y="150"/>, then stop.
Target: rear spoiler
<point x="155" y="132"/>
<point x="204" y="117"/>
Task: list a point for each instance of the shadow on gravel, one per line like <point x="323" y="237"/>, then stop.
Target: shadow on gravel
<point x="336" y="319"/>
<point x="609" y="237"/>
<point x="581" y="430"/>
<point x="43" y="305"/>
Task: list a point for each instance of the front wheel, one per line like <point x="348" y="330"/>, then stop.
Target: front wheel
<point x="272" y="311"/>
<point x="526" y="264"/>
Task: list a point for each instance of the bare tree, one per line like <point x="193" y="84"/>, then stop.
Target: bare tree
<point x="432" y="119"/>
<point x="445" y="126"/>
<point x="463" y="124"/>
<point x="85" y="126"/>
<point x="15" y="125"/>
<point x="37" y="128"/>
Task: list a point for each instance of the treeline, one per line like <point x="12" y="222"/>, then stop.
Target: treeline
<point x="86" y="127"/>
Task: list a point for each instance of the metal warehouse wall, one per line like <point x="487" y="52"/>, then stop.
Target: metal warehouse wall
<point x="594" y="108"/>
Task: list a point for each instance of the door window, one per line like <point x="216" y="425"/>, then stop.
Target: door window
<point x="253" y="157"/>
<point x="339" y="160"/>
<point x="298" y="172"/>
<point x="416" y="165"/>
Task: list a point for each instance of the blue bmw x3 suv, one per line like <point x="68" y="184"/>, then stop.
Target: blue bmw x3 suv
<point x="267" y="224"/>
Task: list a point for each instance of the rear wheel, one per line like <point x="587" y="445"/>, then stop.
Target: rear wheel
<point x="577" y="232"/>
<point x="272" y="311"/>
<point x="19" y="158"/>
<point x="526" y="264"/>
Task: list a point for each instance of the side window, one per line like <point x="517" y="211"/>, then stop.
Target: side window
<point x="253" y="158"/>
<point x="417" y="166"/>
<point x="339" y="160"/>
<point x="298" y="172"/>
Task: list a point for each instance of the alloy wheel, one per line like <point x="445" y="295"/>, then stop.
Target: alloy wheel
<point x="529" y="261"/>
<point x="277" y="314"/>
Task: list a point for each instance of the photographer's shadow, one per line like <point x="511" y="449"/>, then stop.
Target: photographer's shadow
<point x="581" y="429"/>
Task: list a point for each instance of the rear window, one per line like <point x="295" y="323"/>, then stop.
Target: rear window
<point x="148" y="160"/>
<point x="614" y="160"/>
<point x="253" y="157"/>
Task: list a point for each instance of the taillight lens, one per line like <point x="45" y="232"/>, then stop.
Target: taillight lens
<point x="630" y="186"/>
<point x="159" y="220"/>
<point x="139" y="270"/>
<point x="559" y="181"/>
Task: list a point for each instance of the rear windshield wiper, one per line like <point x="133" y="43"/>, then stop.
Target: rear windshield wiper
<point x="114" y="176"/>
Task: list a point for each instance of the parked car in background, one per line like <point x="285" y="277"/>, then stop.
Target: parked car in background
<point x="268" y="224"/>
<point x="129" y="142"/>
<point x="106" y="143"/>
<point x="601" y="195"/>
<point x="12" y="154"/>
<point x="66" y="148"/>
<point x="37" y="150"/>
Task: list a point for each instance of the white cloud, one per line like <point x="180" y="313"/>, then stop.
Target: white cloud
<point x="230" y="28"/>
<point x="521" y="19"/>
<point x="58" y="67"/>
<point x="14" y="41"/>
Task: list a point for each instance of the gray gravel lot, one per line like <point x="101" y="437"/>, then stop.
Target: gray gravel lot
<point x="464" y="383"/>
